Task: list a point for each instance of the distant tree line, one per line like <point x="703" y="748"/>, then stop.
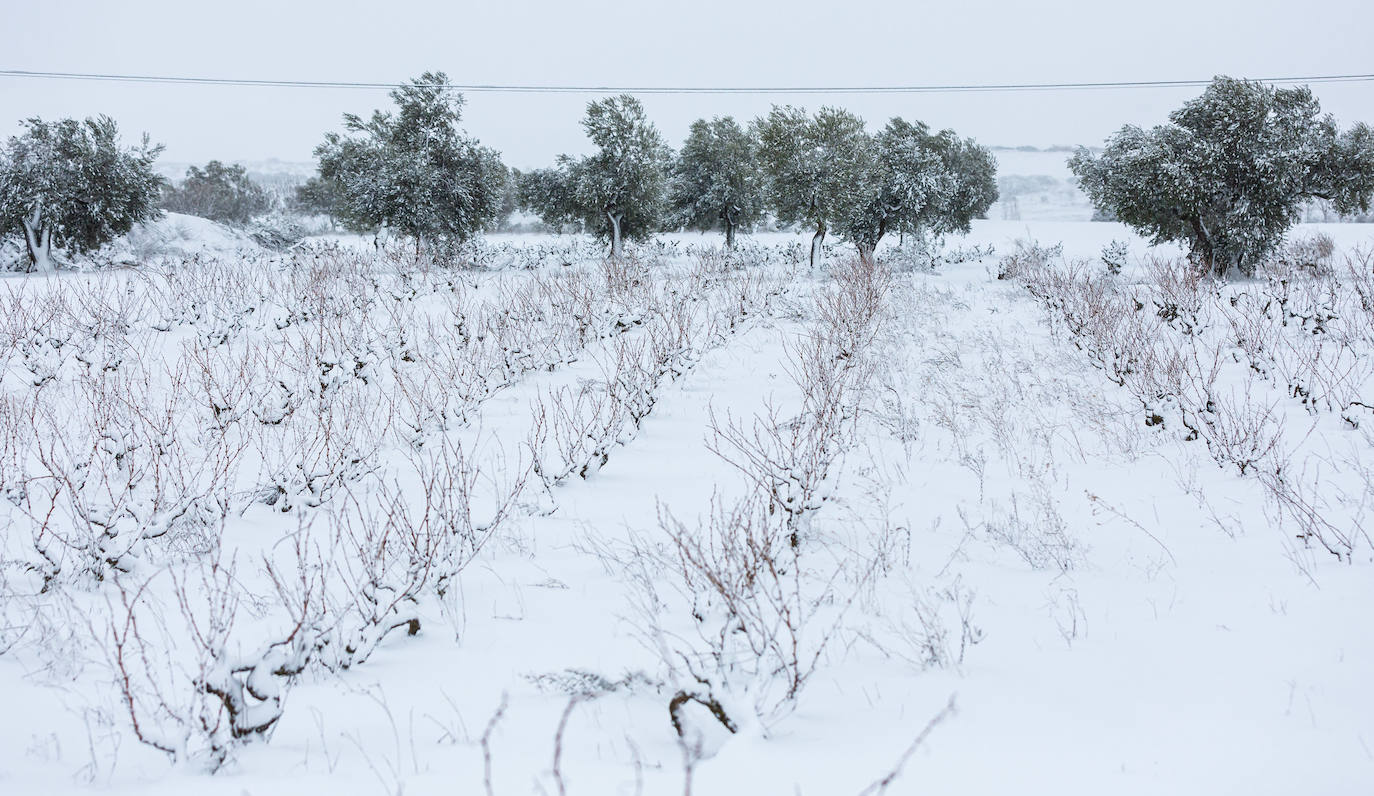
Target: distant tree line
<point x="413" y="171"/>
<point x="1227" y="176"/>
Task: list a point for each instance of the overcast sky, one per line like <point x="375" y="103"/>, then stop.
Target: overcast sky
<point x="699" y="43"/>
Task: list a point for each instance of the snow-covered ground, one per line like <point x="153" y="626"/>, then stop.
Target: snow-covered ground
<point x="834" y="503"/>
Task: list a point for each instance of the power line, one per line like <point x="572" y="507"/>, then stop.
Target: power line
<point x="567" y="89"/>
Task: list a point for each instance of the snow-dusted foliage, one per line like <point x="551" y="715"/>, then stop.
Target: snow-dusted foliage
<point x="413" y="171"/>
<point x="219" y="192"/>
<point x="827" y="172"/>
<point x="816" y="167"/>
<point x="617" y="193"/>
<point x="550" y="194"/>
<point x="716" y="180"/>
<point x="316" y="196"/>
<point x="70" y="185"/>
<point x="1230" y="172"/>
<point x="921" y="184"/>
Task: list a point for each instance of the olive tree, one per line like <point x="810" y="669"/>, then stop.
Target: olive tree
<point x="918" y="183"/>
<point x="551" y="194"/>
<point x="219" y="192"/>
<point x="616" y="193"/>
<point x="70" y="185"/>
<point x="318" y="196"/>
<point x="815" y="167"/>
<point x="413" y="170"/>
<point x="1229" y="172"/>
<point x="715" y="179"/>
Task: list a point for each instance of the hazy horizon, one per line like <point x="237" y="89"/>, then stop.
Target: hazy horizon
<point x="616" y="43"/>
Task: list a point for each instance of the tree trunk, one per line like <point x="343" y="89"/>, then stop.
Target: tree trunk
<point x="867" y="248"/>
<point x="729" y="219"/>
<point x="615" y="233"/>
<point x="1203" y="250"/>
<point x="816" y="242"/>
<point x="39" y="240"/>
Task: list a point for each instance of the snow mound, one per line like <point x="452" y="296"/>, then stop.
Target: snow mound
<point x="177" y="236"/>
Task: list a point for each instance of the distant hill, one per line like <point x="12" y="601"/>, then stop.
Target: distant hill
<point x="1028" y="148"/>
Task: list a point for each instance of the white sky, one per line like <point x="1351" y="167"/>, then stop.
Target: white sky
<point x="703" y="42"/>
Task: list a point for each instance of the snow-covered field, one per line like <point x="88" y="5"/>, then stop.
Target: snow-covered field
<point x="341" y="523"/>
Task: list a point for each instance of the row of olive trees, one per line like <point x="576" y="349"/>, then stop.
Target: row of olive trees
<point x="414" y="172"/>
<point x="1226" y="177"/>
<point x="823" y="172"/>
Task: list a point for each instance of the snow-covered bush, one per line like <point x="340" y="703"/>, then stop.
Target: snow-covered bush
<point x="12" y="256"/>
<point x="574" y="431"/>
<point x="1028" y="257"/>
<point x="199" y="682"/>
<point x="1313" y="252"/>
<point x="479" y="253"/>
<point x="1115" y="255"/>
<point x="113" y="472"/>
<point x="761" y="620"/>
<point x="277" y="231"/>
<point x="928" y="253"/>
